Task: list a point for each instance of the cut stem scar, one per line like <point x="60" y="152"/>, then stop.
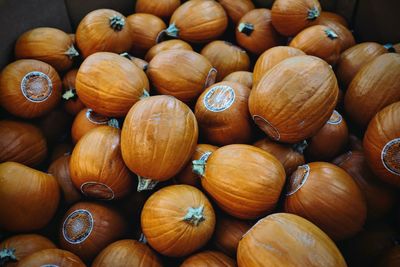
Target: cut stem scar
<point x="194" y="216"/>
<point x="145" y="184"/>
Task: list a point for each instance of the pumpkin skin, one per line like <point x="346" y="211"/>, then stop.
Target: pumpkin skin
<point x="129" y="253"/>
<point x="104" y="177"/>
<point x="72" y="103"/>
<point x="380" y="199"/>
<point x="21" y="142"/>
<point x="374" y="87"/>
<point x="345" y="37"/>
<point x="49" y="45"/>
<point x="255" y="32"/>
<point x="304" y="244"/>
<point x="87" y="228"/>
<point x="41" y="88"/>
<point x="52" y="257"/>
<point x="236" y="9"/>
<point x="222" y="114"/>
<point x="354" y="58"/>
<point x="28" y="198"/>
<point x="208" y="259"/>
<point x="381" y="144"/>
<point x="207" y="21"/>
<point x="161" y="8"/>
<point x="355" y="144"/>
<point x="167" y="45"/>
<point x="226" y="58"/>
<point x="158" y="137"/>
<point x="319" y="41"/>
<point x="243" y="77"/>
<point x="181" y="73"/>
<point x="290" y="17"/>
<point x="223" y="184"/>
<point x="176" y="215"/>
<point x="85" y="121"/>
<point x="326" y="17"/>
<point x="103" y="30"/>
<point x="109" y="78"/>
<point x="329" y="209"/>
<point x="299" y="111"/>
<point x="271" y="57"/>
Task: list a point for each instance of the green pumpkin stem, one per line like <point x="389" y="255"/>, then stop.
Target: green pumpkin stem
<point x="117" y="23"/>
<point x="142" y="239"/>
<point x="145" y="184"/>
<point x="145" y="94"/>
<point x="6" y="255"/>
<point x="313" y="13"/>
<point x="113" y="123"/>
<point x="300" y="147"/>
<point x="194" y="216"/>
<point x="198" y="167"/>
<point x="246" y="28"/>
<point x="172" y="31"/>
<point x="71" y="52"/>
<point x="390" y="48"/>
<point x="70" y="94"/>
<point x="126" y="55"/>
<point x="331" y="34"/>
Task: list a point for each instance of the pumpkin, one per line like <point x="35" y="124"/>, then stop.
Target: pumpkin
<point x="109" y="78"/>
<point x="290" y="17"/>
<point x="228" y="233"/>
<point x="291" y="156"/>
<point x="176" y="216"/>
<point x="243" y="180"/>
<point x="85" y="121"/>
<point x="209" y="258"/>
<point x="187" y="176"/>
<point x="345" y="37"/>
<point x="319" y="41"/>
<point x="243" y="77"/>
<point x="206" y="22"/>
<point x="17" y="247"/>
<point x="330" y="140"/>
<point x="181" y="73"/>
<point x="104" y="177"/>
<point x="255" y="32"/>
<point x="302" y="108"/>
<point x="52" y="257"/>
<point x="283" y="239"/>
<point x="354" y="58"/>
<point x="160" y="8"/>
<point x="237" y="9"/>
<point x="167" y="45"/>
<point x="382" y="144"/>
<point x="49" y="45"/>
<point x="28" y="198"/>
<point x="226" y="58"/>
<point x="391" y="258"/>
<point x="72" y="103"/>
<point x="29" y="88"/>
<point x="380" y="199"/>
<point x="87" y="228"/>
<point x="140" y="63"/>
<point x="271" y="57"/>
<point x="103" y="30"/>
<point x="21" y="142"/>
<point x="59" y="168"/>
<point x="326" y="17"/>
<point x="127" y="253"/>
<point x="331" y="208"/>
<point x="146" y="32"/>
<point x="375" y="86"/>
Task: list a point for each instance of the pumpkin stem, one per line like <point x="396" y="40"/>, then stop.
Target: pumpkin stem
<point x="331" y="34"/>
<point x="313" y="13"/>
<point x="6" y="255"/>
<point x="72" y="52"/>
<point x="145" y="184"/>
<point x="194" y="216"/>
<point x="246" y="28"/>
<point x="300" y="147"/>
<point x="198" y="167"/>
<point x="126" y="55"/>
<point x="145" y="94"/>
<point x="113" y="123"/>
<point x="70" y="94"/>
<point x="142" y="239"/>
<point x="117" y="23"/>
<point x="390" y="48"/>
<point x="172" y="31"/>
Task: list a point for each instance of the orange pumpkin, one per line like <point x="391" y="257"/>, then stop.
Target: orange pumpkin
<point x="299" y="111"/>
<point x="283" y="239"/>
<point x="28" y="198"/>
<point x="243" y="77"/>
<point x="140" y="63"/>
<point x="255" y="32"/>
<point x="109" y="78"/>
<point x="160" y="8"/>
<point x="236" y="9"/>
<point x="326" y="17"/>
<point x="29" y="88"/>
<point x="331" y="208"/>
<point x="72" y="103"/>
<point x="181" y="73"/>
<point x="52" y="257"/>
<point x="174" y="217"/>
<point x="375" y="86"/>
<point x="209" y="258"/>
<point x="207" y="21"/>
<point x="85" y="121"/>
<point x="103" y="30"/>
<point x="167" y="45"/>
<point x="382" y="144"/>
<point x="226" y="58"/>
<point x="290" y="17"/>
<point x="232" y="168"/>
<point x="345" y="37"/>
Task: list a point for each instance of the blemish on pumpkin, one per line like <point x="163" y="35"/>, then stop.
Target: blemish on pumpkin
<point x="78" y="226"/>
<point x="390" y="156"/>
<point x="335" y="118"/>
<point x="97" y="190"/>
<point x="267" y="127"/>
<point x="36" y="86"/>
<point x="298" y="179"/>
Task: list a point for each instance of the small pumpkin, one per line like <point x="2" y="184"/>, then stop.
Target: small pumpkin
<point x="160" y="8"/>
<point x="255" y="32"/>
<point x="345" y="37"/>
<point x="226" y="58"/>
<point x="28" y="198"/>
<point x="29" y="88"/>
<point x="103" y="30"/>
<point x="326" y="17"/>
<point x="72" y="103"/>
<point x="382" y="144"/>
<point x="175" y="216"/>
<point x="174" y="44"/>
<point x="49" y="45"/>
<point x="236" y="9"/>
<point x="299" y="111"/>
<point x="140" y="63"/>
<point x="209" y="258"/>
<point x="52" y="257"/>
<point x="375" y="86"/>
<point x="85" y="121"/>
<point x="243" y="77"/>
<point x="331" y="208"/>
<point x="181" y="73"/>
<point x="290" y="17"/>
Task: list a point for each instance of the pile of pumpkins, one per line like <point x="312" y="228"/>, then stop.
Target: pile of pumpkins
<point x="134" y="143"/>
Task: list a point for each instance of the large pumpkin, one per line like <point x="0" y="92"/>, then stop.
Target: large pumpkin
<point x="174" y="44"/>
<point x="242" y="77"/>
<point x="52" y="257"/>
<point x="209" y="258"/>
<point x="236" y="9"/>
<point x="159" y="8"/>
<point x="303" y="107"/>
